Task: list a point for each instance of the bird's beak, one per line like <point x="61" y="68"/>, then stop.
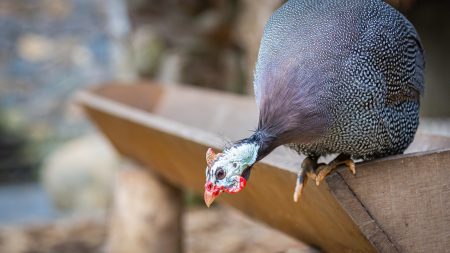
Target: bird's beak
<point x="209" y="197"/>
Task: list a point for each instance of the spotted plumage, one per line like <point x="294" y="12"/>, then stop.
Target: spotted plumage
<point x="332" y="77"/>
<point x="365" y="63"/>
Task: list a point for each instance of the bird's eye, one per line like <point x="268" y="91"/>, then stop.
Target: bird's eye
<point x="220" y="174"/>
<point x="234" y="165"/>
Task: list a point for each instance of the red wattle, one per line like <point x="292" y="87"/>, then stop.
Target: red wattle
<point x="242" y="183"/>
<point x="214" y="190"/>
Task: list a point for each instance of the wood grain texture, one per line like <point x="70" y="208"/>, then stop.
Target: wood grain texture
<point x="409" y="199"/>
<point x="172" y="135"/>
<point x="360" y="215"/>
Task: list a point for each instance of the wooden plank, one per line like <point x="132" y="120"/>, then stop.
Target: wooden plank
<point x="409" y="199"/>
<point x="360" y="215"/>
<point x="172" y="134"/>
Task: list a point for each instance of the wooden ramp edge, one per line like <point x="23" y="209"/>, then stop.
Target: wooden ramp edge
<point x="397" y="204"/>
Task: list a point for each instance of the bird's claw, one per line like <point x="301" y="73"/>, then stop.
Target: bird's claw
<point x="318" y="172"/>
<point x="306" y="171"/>
<point x="298" y="191"/>
<point x="351" y="166"/>
<point x="299" y="187"/>
<point x="323" y="170"/>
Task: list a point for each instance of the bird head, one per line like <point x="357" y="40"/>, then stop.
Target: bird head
<point x="228" y="171"/>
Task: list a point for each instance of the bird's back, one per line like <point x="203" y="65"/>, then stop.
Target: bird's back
<point x="351" y="68"/>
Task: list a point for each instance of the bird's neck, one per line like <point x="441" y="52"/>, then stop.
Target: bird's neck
<point x="264" y="142"/>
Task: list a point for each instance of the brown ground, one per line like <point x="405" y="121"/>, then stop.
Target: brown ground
<point x="218" y="230"/>
<point x="226" y="230"/>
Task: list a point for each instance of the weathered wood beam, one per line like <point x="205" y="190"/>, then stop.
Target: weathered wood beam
<point x="169" y="128"/>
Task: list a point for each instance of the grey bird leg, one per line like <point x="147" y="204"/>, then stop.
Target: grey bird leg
<point x="306" y="170"/>
<point x="324" y="170"/>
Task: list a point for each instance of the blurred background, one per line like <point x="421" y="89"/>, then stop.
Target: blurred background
<point x="57" y="172"/>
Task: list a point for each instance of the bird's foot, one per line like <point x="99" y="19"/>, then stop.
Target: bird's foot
<point x="306" y="171"/>
<point x="317" y="172"/>
<point x="324" y="170"/>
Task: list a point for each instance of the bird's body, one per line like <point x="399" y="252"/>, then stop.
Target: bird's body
<point x="353" y="68"/>
<point x="332" y="76"/>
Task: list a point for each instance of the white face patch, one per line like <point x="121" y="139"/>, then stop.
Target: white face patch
<point x="232" y="162"/>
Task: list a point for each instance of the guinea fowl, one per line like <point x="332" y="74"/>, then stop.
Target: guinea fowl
<point x="332" y="77"/>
